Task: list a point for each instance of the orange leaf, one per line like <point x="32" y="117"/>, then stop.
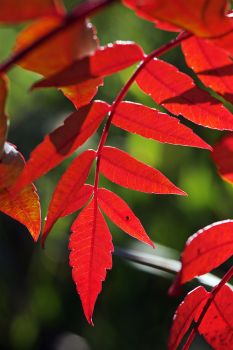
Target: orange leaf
<point x="61" y="50"/>
<point x="3" y="117"/>
<point x="24" y="205"/>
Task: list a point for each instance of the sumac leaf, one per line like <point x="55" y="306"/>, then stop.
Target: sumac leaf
<point x="24" y="205"/>
<point x="120" y="213"/>
<point x="152" y="124"/>
<point x="15" y="11"/>
<point x="79" y="200"/>
<point x="67" y="190"/>
<point x="217" y="325"/>
<point x="105" y="61"/>
<point x="207" y="249"/>
<point x="223" y="157"/>
<point x="63" y="141"/>
<point x="190" y="307"/>
<point x="177" y="92"/>
<point x="90" y="257"/>
<point x="203" y="18"/>
<point x="211" y="64"/>
<point x="121" y="168"/>
<point x="3" y="116"/>
<point x="76" y="42"/>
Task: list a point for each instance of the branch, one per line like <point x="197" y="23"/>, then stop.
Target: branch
<point x="156" y="53"/>
<point x="81" y="12"/>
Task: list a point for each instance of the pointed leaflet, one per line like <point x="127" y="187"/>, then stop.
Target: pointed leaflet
<point x="105" y="61"/>
<point x="128" y="172"/>
<point x="24" y="205"/>
<point x="90" y="257"/>
<point x="23" y="10"/>
<point x="203" y="18"/>
<point x="63" y="141"/>
<point x="68" y="188"/>
<point x="184" y="315"/>
<point x="3" y="117"/>
<point x="212" y="65"/>
<point x="150" y="123"/>
<point x="217" y="325"/>
<point x="177" y="92"/>
<point x="79" y="200"/>
<point x="216" y="241"/>
<point x="76" y="42"/>
<point x="223" y="157"/>
<point x="120" y="213"/>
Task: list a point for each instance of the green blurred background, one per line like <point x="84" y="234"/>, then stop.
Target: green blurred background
<point x="39" y="306"/>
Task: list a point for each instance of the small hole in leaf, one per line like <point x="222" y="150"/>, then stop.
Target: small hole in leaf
<point x="127" y="218"/>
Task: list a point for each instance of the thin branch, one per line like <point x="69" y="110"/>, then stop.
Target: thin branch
<point x="81" y="12"/>
<point x="214" y="292"/>
<point x="156" y="53"/>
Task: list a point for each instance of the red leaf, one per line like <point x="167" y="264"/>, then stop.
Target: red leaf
<point x="203" y="18"/>
<point x="23" y="10"/>
<point x="126" y="171"/>
<point x="190" y="307"/>
<point x="3" y="117"/>
<point x="90" y="257"/>
<point x="155" y="125"/>
<point x="62" y="142"/>
<point x="120" y="213"/>
<point x="223" y="157"/>
<point x="217" y="325"/>
<point x="212" y="65"/>
<point x="22" y="206"/>
<point x="105" y="61"/>
<point x="79" y="200"/>
<point x="216" y="241"/>
<point x="177" y="92"/>
<point x="67" y="190"/>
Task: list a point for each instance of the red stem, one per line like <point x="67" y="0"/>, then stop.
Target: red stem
<point x="214" y="292"/>
<point x="81" y="12"/>
<point x="158" y="52"/>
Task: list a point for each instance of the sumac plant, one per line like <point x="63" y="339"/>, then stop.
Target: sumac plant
<point x="65" y="50"/>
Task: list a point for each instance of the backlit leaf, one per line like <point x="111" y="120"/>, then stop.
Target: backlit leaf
<point x="177" y="92"/>
<point x="217" y="325"/>
<point x="3" y="117"/>
<point x="105" y="61"/>
<point x="120" y="213"/>
<point x="66" y="192"/>
<point x="203" y="18"/>
<point x="185" y="314"/>
<point x="90" y="257"/>
<point x="23" y="10"/>
<point x="126" y="171"/>
<point x="24" y="205"/>
<point x="223" y="157"/>
<point x="63" y="141"/>
<point x="207" y="249"/>
<point x="212" y="65"/>
<point x="150" y="123"/>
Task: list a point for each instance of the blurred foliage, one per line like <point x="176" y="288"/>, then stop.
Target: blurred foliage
<point x="39" y="307"/>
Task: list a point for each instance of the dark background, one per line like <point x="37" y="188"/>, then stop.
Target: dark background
<point x="39" y="307"/>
